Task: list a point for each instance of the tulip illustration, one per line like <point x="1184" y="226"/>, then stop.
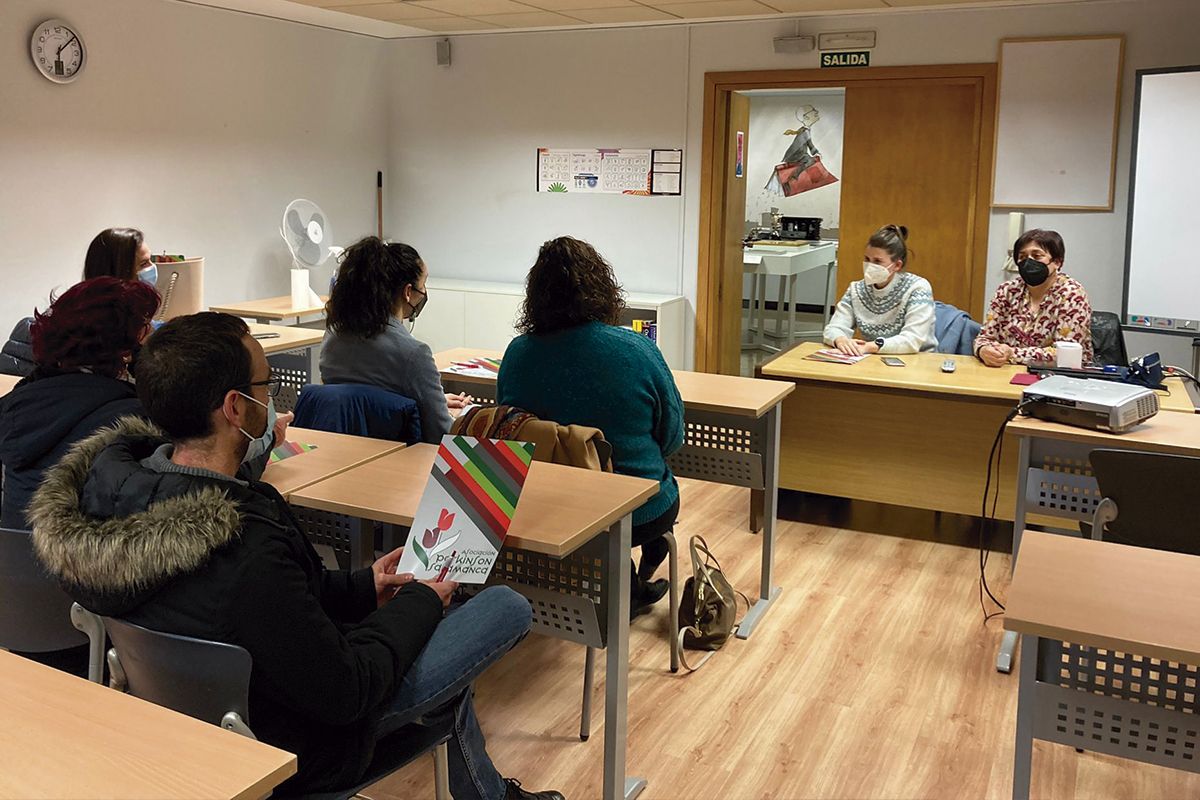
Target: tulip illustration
<point x="432" y="542"/>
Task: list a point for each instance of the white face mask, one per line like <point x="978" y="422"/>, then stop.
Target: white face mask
<point x="875" y="274"/>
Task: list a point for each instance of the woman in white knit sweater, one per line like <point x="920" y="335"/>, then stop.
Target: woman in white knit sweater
<point x="892" y="308"/>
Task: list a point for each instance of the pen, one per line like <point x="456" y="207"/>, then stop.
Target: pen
<point x="446" y="569"/>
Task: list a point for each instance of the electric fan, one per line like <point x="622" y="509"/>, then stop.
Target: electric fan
<point x="306" y="230"/>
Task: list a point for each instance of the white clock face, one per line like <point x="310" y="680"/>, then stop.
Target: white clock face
<point x="57" y="51"/>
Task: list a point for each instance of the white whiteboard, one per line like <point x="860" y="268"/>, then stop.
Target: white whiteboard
<point x="1160" y="280"/>
<point x="1056" y="123"/>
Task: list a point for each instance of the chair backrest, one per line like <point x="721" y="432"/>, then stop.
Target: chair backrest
<point x="203" y="679"/>
<point x="359" y="410"/>
<point x="1155" y="499"/>
<point x="1108" y="341"/>
<point x="35" y="613"/>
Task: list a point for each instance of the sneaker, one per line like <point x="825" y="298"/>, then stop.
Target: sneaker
<point x="651" y="593"/>
<point x="513" y="791"/>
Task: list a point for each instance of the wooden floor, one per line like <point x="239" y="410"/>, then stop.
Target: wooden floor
<point x="872" y="677"/>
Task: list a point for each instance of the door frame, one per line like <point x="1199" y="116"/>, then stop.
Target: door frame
<point x="718" y="86"/>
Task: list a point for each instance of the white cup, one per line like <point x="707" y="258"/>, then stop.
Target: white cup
<point x="1069" y="355"/>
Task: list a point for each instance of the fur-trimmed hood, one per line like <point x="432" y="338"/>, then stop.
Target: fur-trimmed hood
<point x="114" y="531"/>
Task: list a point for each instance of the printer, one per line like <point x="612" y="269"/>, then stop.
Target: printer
<point x="1097" y="404"/>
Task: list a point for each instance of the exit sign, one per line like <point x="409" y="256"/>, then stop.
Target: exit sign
<point x="854" y="58"/>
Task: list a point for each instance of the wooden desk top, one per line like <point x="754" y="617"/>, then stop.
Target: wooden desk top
<point x="923" y="373"/>
<point x="63" y="736"/>
<point x="278" y="308"/>
<point x="1131" y="599"/>
<point x="561" y="508"/>
<point x="7" y="382"/>
<point x="701" y="391"/>
<point x="335" y="453"/>
<point x="286" y="338"/>
<point x="1178" y="434"/>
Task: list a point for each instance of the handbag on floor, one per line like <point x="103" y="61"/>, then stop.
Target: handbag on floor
<point x="708" y="607"/>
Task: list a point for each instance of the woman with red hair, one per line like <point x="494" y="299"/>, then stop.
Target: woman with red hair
<point x="83" y="345"/>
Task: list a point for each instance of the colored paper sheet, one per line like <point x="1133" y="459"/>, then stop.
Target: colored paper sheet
<point x="289" y="449"/>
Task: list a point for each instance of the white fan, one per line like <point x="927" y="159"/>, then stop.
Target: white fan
<point x="308" y="235"/>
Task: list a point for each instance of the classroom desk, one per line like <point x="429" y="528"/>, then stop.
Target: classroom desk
<point x="293" y="354"/>
<point x="272" y="309"/>
<point x="335" y="453"/>
<point x="567" y="551"/>
<point x="7" y="382"/>
<point x="1054" y="473"/>
<point x="1109" y="645"/>
<point x="731" y="436"/>
<point x="910" y="436"/>
<point x="63" y="736"/>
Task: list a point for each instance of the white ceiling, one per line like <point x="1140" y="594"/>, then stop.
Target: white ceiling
<point x="407" y="18"/>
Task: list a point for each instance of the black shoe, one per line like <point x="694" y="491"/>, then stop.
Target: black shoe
<point x="515" y="792"/>
<point x="651" y="593"/>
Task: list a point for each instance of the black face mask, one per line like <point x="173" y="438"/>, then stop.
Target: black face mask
<point x="1034" y="273"/>
<point x="416" y="310"/>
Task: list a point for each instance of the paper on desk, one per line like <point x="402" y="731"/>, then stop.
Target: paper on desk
<point x="289" y="449"/>
<point x="476" y="367"/>
<point x="466" y="509"/>
<point x="833" y="357"/>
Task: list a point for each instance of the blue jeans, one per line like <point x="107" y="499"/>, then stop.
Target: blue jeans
<point x="437" y="688"/>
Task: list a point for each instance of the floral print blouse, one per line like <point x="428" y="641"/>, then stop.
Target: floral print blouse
<point x="1065" y="314"/>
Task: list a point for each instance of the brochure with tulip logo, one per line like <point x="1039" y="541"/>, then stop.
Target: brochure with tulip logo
<point x="466" y="509"/>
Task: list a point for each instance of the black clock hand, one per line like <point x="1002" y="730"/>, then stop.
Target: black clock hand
<point x="58" y="52"/>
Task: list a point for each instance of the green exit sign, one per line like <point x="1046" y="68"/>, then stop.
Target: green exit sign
<point x="850" y="58"/>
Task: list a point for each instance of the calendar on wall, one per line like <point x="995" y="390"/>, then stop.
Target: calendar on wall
<point x="606" y="171"/>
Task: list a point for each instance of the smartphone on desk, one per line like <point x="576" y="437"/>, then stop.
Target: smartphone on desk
<point x="892" y="361"/>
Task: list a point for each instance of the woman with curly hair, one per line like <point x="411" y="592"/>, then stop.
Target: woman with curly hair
<point x="575" y="365"/>
<point x="83" y="345"/>
<point x="380" y="285"/>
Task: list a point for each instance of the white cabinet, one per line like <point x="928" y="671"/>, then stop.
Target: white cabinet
<point x="482" y="314"/>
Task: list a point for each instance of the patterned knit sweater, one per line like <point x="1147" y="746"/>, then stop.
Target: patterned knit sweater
<point x="900" y="313"/>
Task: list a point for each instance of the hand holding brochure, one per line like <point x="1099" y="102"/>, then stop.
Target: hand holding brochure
<point x="466" y="509"/>
<point x="833" y="356"/>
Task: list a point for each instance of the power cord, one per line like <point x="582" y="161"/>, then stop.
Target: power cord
<point x="987" y="520"/>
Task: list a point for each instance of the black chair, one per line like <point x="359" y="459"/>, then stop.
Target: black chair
<point x="211" y="682"/>
<point x="1108" y="341"/>
<point x="36" y="615"/>
<point x="1147" y="500"/>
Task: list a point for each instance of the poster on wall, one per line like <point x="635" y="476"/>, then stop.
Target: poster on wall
<point x="800" y="170"/>
<point x="628" y="171"/>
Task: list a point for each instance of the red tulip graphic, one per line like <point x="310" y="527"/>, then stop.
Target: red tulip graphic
<point x="445" y="520"/>
<point x="429" y="540"/>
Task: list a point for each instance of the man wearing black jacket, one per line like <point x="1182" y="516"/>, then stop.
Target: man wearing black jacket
<point x="152" y="523"/>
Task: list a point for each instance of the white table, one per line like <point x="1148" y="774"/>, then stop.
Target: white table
<point x="787" y="263"/>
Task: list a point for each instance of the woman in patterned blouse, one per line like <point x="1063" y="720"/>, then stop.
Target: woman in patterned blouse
<point x="1043" y="306"/>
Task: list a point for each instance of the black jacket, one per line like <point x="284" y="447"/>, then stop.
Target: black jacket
<point x="16" y="358"/>
<point x="217" y="560"/>
<point x="39" y="421"/>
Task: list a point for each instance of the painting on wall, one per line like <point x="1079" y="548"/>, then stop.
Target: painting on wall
<point x="800" y="170"/>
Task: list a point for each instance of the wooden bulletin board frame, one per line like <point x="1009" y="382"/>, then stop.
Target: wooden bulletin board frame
<point x="1028" y="107"/>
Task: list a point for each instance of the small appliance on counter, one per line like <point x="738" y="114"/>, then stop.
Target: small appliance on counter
<point x="808" y="228"/>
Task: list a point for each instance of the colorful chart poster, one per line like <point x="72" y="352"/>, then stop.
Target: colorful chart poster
<point x="466" y="509"/>
<point x="600" y="171"/>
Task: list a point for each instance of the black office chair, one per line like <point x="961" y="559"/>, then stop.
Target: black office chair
<point x="1148" y="500"/>
<point x="211" y="682"/>
<point x="36" y="615"/>
<point x="1108" y="341"/>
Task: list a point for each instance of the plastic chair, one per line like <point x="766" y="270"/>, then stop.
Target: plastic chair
<point x="211" y="682"/>
<point x="1147" y="499"/>
<point x="359" y="410"/>
<point x="1108" y="341"/>
<point x="36" y="615"/>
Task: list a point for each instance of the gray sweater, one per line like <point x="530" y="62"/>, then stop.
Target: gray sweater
<point x="394" y="360"/>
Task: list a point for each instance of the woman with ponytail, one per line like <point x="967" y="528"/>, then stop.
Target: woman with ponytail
<point x="892" y="308"/>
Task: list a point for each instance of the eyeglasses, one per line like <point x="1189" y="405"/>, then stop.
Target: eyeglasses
<point x="273" y="384"/>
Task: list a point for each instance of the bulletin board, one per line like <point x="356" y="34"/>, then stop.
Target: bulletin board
<point x="609" y="171"/>
<point x="1056" y="123"/>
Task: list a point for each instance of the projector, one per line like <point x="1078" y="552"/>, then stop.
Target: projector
<point x="1100" y="405"/>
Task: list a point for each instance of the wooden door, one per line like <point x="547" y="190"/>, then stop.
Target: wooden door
<point x="911" y="156"/>
<point x="730" y="294"/>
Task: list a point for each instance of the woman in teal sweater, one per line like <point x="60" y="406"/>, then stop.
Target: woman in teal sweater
<point x="575" y="366"/>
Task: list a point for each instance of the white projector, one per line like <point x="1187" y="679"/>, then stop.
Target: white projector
<point x="1101" y="405"/>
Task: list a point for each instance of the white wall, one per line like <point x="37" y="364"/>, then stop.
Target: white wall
<point x="770" y="116"/>
<point x="506" y="94"/>
<point x="196" y="125"/>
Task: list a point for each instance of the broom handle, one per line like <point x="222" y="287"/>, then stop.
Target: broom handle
<point x="379" y="203"/>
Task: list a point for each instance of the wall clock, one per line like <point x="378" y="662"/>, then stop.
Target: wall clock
<point x="57" y="51"/>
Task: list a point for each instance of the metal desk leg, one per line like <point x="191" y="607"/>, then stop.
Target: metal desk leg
<point x="362" y="544"/>
<point x="829" y="268"/>
<point x="616" y="683"/>
<point x="791" y="292"/>
<point x="314" y="364"/>
<point x="767" y="592"/>
<point x="760" y="289"/>
<point x="1008" y="644"/>
<point x="1026" y="697"/>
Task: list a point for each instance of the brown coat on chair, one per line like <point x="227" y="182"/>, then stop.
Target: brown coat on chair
<point x="571" y="445"/>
